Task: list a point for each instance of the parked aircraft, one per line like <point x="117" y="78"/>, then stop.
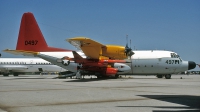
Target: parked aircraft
<point x="161" y="63"/>
<point x="23" y="65"/>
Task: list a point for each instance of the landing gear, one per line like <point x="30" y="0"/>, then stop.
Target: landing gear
<point x="15" y="74"/>
<point x="159" y="76"/>
<point x="6" y="74"/>
<point x="116" y="76"/>
<point x="107" y="77"/>
<point x="99" y="77"/>
<point x="78" y="75"/>
<point x="168" y="76"/>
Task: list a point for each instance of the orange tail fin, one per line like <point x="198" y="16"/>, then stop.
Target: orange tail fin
<point x="30" y="37"/>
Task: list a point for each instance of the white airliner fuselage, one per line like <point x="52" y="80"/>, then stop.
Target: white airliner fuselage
<point x="23" y="65"/>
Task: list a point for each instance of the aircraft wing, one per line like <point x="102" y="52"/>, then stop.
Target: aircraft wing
<point x="21" y="52"/>
<point x="91" y="48"/>
<point x="96" y="50"/>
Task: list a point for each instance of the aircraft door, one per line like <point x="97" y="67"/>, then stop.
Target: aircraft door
<point x="162" y="67"/>
<point x="159" y="65"/>
<point x="171" y="64"/>
<point x="176" y="65"/>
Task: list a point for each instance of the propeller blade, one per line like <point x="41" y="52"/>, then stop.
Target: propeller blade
<point x="130" y="54"/>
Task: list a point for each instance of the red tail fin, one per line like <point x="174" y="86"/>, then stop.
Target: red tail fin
<point x="30" y="37"/>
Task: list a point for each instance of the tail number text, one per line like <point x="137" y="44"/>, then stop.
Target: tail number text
<point x="31" y="42"/>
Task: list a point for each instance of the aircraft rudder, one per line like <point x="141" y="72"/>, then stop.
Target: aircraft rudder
<point x="30" y="36"/>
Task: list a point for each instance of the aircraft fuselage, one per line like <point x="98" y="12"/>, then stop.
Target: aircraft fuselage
<point x="151" y="62"/>
<point x="23" y="65"/>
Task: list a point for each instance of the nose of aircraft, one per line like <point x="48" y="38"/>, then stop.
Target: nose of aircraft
<point x="191" y="65"/>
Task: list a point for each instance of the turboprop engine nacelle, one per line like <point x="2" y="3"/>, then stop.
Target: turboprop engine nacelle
<point x="122" y="68"/>
<point x="116" y="51"/>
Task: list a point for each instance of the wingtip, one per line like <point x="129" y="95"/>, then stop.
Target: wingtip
<point x="77" y="38"/>
<point x="18" y="52"/>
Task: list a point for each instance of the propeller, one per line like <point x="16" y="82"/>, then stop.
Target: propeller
<point x="130" y="54"/>
<point x="128" y="51"/>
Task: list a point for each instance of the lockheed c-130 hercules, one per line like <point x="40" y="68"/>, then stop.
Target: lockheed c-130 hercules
<point x="102" y="60"/>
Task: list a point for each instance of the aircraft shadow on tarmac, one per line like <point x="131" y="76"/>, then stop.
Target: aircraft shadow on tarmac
<point x="192" y="103"/>
<point x="86" y="80"/>
<point x="108" y="78"/>
<point x="25" y="78"/>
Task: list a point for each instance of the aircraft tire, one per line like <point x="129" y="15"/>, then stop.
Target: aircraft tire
<point x="5" y="74"/>
<point x="159" y="76"/>
<point x="116" y="76"/>
<point x="168" y="76"/>
<point x="99" y="77"/>
<point x="15" y="74"/>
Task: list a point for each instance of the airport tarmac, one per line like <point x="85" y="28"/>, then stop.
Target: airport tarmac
<point x="35" y="93"/>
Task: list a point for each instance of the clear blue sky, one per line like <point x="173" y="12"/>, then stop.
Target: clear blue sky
<point x="151" y="24"/>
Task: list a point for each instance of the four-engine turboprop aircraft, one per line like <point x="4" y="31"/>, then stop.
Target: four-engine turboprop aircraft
<point x="23" y="65"/>
<point x="161" y="63"/>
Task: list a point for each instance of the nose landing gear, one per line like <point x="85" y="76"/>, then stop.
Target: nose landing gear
<point x="167" y="76"/>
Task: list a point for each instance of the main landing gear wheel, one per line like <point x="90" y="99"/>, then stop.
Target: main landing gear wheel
<point x="15" y="74"/>
<point x="116" y="76"/>
<point x="6" y="74"/>
<point x="159" y="76"/>
<point x="168" y="76"/>
<point x="99" y="77"/>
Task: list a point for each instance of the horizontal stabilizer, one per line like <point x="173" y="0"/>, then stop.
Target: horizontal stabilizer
<point x="21" y="52"/>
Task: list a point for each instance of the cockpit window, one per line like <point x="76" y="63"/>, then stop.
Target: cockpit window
<point x="174" y="55"/>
